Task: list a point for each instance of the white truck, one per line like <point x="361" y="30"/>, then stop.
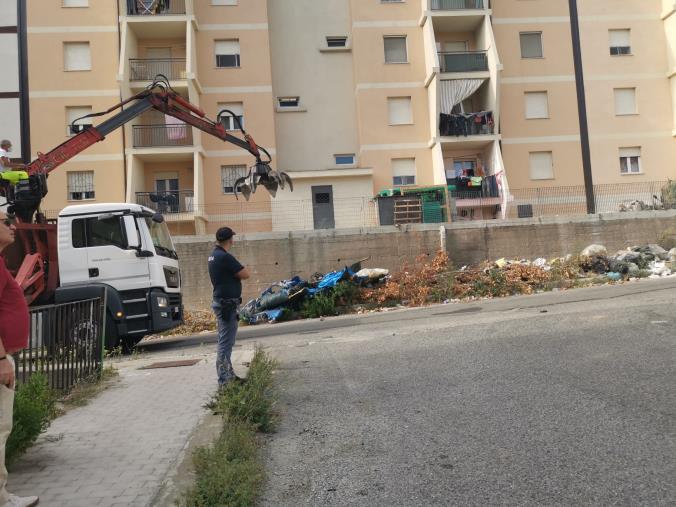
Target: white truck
<point x="127" y="250"/>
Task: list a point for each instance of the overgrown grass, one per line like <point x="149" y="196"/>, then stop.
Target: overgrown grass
<point x="321" y="305"/>
<point x="89" y="388"/>
<point x="229" y="472"/>
<point x="34" y="409"/>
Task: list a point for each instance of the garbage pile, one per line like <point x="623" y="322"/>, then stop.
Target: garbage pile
<point x="282" y="299"/>
<point x="649" y="261"/>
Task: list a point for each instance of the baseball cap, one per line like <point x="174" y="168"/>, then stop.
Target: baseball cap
<point x="224" y="234"/>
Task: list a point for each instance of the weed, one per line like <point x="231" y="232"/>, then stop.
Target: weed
<point x="34" y="409"/>
<point x="88" y="388"/>
<point x="320" y="305"/>
<point x="667" y="239"/>
<point x="345" y="293"/>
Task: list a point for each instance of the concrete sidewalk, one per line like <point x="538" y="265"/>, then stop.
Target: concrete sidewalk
<point x="123" y="445"/>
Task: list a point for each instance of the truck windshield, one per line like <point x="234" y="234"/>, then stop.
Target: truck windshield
<point x="161" y="238"/>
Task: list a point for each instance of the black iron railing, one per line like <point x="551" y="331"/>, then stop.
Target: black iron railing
<point x="66" y="343"/>
<point x="453" y="5"/>
<point x="171" y="201"/>
<point x="149" y="136"/>
<point x="145" y="69"/>
<point x="155" y="7"/>
<point x="463" y="61"/>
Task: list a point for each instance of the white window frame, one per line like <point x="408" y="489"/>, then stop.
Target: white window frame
<point x="336" y="38"/>
<point x="85" y="67"/>
<point x="344" y="155"/>
<point x="619" y="50"/>
<point x="238" y="54"/>
<point x="73" y="4"/>
<point x="227" y="120"/>
<point x="393" y="116"/>
<point x="83" y="186"/>
<point x="238" y="170"/>
<point x="223" y="2"/>
<point x="289" y="101"/>
<point x="542" y="45"/>
<point x="616" y="98"/>
<point x="71" y="117"/>
<point x="385" y="37"/>
<point x="627" y="159"/>
<point x="531" y="112"/>
<point x="410" y="178"/>
<point x="531" y="156"/>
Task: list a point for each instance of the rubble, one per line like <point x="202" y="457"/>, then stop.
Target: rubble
<point x="594" y="251"/>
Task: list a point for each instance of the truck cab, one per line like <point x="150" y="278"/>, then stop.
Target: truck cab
<point x="127" y="250"/>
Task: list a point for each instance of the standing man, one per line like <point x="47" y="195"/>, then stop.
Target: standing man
<point x="226" y="276"/>
<point x="5" y="162"/>
<point x="14" y="321"/>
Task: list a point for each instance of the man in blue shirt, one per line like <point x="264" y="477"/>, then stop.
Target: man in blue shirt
<point x="226" y="276"/>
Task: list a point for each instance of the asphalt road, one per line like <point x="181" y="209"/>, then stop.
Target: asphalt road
<point x="554" y="399"/>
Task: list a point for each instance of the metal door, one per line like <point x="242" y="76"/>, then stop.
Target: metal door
<point x="322" y="207"/>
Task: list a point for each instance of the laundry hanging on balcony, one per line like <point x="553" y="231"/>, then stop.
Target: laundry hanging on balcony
<point x="176" y="129"/>
<point x="470" y="124"/>
<point x="454" y="91"/>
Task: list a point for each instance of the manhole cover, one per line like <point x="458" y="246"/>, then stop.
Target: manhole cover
<point x="171" y="364"/>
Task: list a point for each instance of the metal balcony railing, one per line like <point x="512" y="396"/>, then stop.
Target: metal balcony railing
<point x="172" y="201"/>
<point x="145" y="69"/>
<point x="148" y="136"/>
<point x="463" y="61"/>
<point x="155" y="7"/>
<point x="453" y="5"/>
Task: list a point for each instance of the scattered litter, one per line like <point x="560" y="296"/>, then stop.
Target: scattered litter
<point x="614" y="276"/>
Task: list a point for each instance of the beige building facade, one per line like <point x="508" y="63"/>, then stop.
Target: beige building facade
<point x="351" y="97"/>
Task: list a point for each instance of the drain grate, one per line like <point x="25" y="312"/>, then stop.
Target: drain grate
<point x="171" y="364"/>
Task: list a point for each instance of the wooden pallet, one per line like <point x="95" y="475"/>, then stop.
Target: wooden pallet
<point x="408" y="211"/>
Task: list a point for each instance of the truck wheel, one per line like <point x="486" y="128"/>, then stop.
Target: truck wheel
<point x="81" y="337"/>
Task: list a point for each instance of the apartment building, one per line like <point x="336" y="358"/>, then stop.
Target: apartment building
<point x="351" y="97"/>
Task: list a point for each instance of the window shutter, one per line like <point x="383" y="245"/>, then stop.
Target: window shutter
<point x="536" y="105"/>
<point x="403" y="171"/>
<point x="76" y="3"/>
<point x="625" y="101"/>
<point x="395" y="50"/>
<point x="235" y="107"/>
<point x="227" y="47"/>
<point x="630" y="152"/>
<point x="541" y="165"/>
<point x="77" y="56"/>
<point x="72" y="113"/>
<point x="619" y="38"/>
<point x="399" y="109"/>
<point x="223" y="2"/>
<point x="531" y="45"/>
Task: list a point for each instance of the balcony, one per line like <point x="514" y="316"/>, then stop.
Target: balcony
<point x="169" y="202"/>
<point x="147" y="69"/>
<point x="155" y="7"/>
<point x="467" y="124"/>
<point x="455" y="5"/>
<point x="151" y="136"/>
<point x="463" y="61"/>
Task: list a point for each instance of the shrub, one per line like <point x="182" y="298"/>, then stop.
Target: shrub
<point x="345" y="293"/>
<point x="320" y="305"/>
<point x="34" y="409"/>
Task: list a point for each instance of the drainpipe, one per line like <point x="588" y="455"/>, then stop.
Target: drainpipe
<point x="24" y="99"/>
<point x="124" y="137"/>
<point x="582" y="107"/>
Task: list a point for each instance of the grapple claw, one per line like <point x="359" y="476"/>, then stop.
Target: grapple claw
<point x="262" y="174"/>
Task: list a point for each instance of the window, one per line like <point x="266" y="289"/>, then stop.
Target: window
<point x="625" y="101"/>
<point x="344" y="159"/>
<point x="399" y="110"/>
<point x="72" y="114"/>
<point x="76" y="56"/>
<point x="395" y="49"/>
<point x="391" y="1"/>
<point x="536" y="105"/>
<point x="541" y="165"/>
<point x="230" y="174"/>
<point x="630" y="160"/>
<point x="89" y="232"/>
<point x="76" y="3"/>
<point x="403" y="171"/>
<point x="226" y="119"/>
<point x="288" y="101"/>
<point x="336" y="42"/>
<point x="531" y="44"/>
<point x="227" y="53"/>
<point x="80" y="185"/>
<point x="223" y="2"/>
<point x="463" y="168"/>
<point x="620" y="42"/>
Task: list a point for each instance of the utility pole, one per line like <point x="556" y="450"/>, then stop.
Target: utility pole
<point x="582" y="107"/>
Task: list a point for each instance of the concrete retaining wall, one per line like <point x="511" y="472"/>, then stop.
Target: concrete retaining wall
<point x="276" y="256"/>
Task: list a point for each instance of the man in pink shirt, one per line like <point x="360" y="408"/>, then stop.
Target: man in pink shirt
<point x="14" y="321"/>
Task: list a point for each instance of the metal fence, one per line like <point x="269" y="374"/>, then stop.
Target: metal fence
<point x="463" y="61"/>
<point x="451" y="5"/>
<point x="65" y="343"/>
<point x="145" y="69"/>
<point x="171" y="201"/>
<point x="149" y="136"/>
<point x="155" y="7"/>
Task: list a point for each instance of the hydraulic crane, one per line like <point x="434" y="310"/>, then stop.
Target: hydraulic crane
<point x="33" y="257"/>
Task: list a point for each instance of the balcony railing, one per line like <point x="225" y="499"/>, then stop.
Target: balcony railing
<point x="467" y="124"/>
<point x="172" y="201"/>
<point x="155" y="7"/>
<point x="463" y="61"/>
<point x="146" y="69"/>
<point x="454" y="5"/>
<point x="148" y="136"/>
